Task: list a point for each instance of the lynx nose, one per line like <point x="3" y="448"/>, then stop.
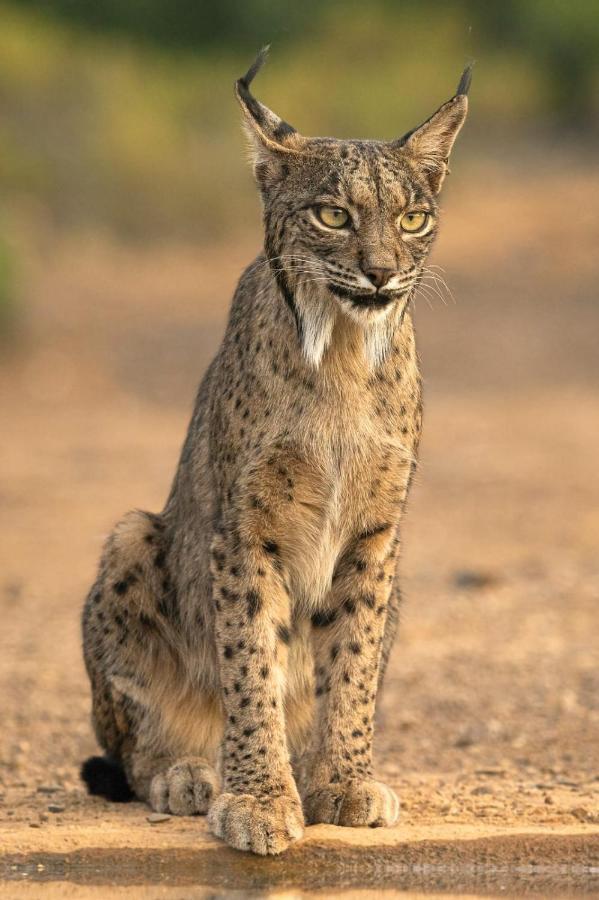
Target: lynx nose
<point x="379" y="277"/>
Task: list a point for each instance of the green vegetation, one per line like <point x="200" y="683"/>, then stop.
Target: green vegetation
<point x="120" y="115"/>
<point x="7" y="288"/>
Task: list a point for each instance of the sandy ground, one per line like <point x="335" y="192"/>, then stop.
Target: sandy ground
<point x="490" y="719"/>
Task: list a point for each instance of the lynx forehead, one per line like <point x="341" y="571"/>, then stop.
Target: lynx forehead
<point x="235" y="642"/>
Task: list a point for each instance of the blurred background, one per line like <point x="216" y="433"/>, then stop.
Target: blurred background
<point x="127" y="214"/>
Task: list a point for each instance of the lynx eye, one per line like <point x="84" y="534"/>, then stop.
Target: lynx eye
<point x="332" y="216"/>
<point x="414" y="221"/>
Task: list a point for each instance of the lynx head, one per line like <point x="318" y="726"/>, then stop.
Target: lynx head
<point x="348" y="223"/>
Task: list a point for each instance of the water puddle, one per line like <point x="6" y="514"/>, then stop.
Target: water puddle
<point x="178" y="875"/>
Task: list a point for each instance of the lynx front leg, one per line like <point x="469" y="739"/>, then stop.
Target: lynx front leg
<point x="339" y="787"/>
<point x="259" y="808"/>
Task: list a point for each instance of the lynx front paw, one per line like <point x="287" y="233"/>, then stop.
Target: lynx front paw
<point x="185" y="789"/>
<point x="266" y="826"/>
<point x="354" y="803"/>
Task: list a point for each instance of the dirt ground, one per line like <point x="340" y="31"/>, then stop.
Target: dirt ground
<point x="491" y="711"/>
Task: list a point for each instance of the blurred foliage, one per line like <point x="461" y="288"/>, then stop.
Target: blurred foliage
<point x="190" y="24"/>
<point x="119" y="113"/>
<point x="561" y="37"/>
<point x="8" y="302"/>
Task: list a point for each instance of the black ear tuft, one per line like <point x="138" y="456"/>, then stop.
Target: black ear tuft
<point x="268" y="133"/>
<point x="255" y="67"/>
<point x="465" y="81"/>
<point x="242" y="87"/>
<point x="430" y="144"/>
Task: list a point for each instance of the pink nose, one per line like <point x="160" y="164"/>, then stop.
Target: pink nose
<point x="379" y="277"/>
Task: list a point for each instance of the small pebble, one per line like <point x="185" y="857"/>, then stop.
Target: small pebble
<point x="56" y="808"/>
<point x="48" y="788"/>
<point x="156" y="818"/>
<point x="580" y="813"/>
<point x="475" y="580"/>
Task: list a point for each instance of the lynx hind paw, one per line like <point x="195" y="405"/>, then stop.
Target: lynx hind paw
<point x="266" y="827"/>
<point x="187" y="788"/>
<point x="353" y="804"/>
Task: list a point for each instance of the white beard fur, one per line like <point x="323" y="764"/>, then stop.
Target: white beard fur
<point x="318" y="309"/>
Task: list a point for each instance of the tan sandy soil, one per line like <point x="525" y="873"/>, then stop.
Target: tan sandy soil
<point x="490" y="721"/>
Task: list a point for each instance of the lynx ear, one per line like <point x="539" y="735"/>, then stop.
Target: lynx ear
<point x="271" y="138"/>
<point x="430" y="144"/>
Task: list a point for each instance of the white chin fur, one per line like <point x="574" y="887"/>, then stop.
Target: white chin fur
<point x="378" y="335"/>
<point x="318" y="309"/>
<point x="317" y="314"/>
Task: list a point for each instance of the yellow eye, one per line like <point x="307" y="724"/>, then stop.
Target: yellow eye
<point x="414" y="221"/>
<point x="333" y="216"/>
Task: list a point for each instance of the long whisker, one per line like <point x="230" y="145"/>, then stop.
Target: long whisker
<point x="420" y="290"/>
<point x="434" y="288"/>
<point x="439" y="279"/>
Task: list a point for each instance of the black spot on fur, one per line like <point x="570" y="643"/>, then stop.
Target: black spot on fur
<point x="283" y="130"/>
<point x="376" y="529"/>
<point x="254" y="601"/>
<point x="324" y="617"/>
<point x="284" y="634"/>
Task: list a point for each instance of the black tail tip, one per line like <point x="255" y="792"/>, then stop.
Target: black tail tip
<point x="105" y="777"/>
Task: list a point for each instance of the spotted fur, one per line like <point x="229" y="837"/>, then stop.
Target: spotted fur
<point x="236" y="641"/>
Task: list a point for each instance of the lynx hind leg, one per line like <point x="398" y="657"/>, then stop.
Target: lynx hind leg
<point x="120" y="617"/>
<point x="130" y="617"/>
<point x="119" y="620"/>
<point x="124" y="603"/>
<point x="141" y="763"/>
<point x="181" y="786"/>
